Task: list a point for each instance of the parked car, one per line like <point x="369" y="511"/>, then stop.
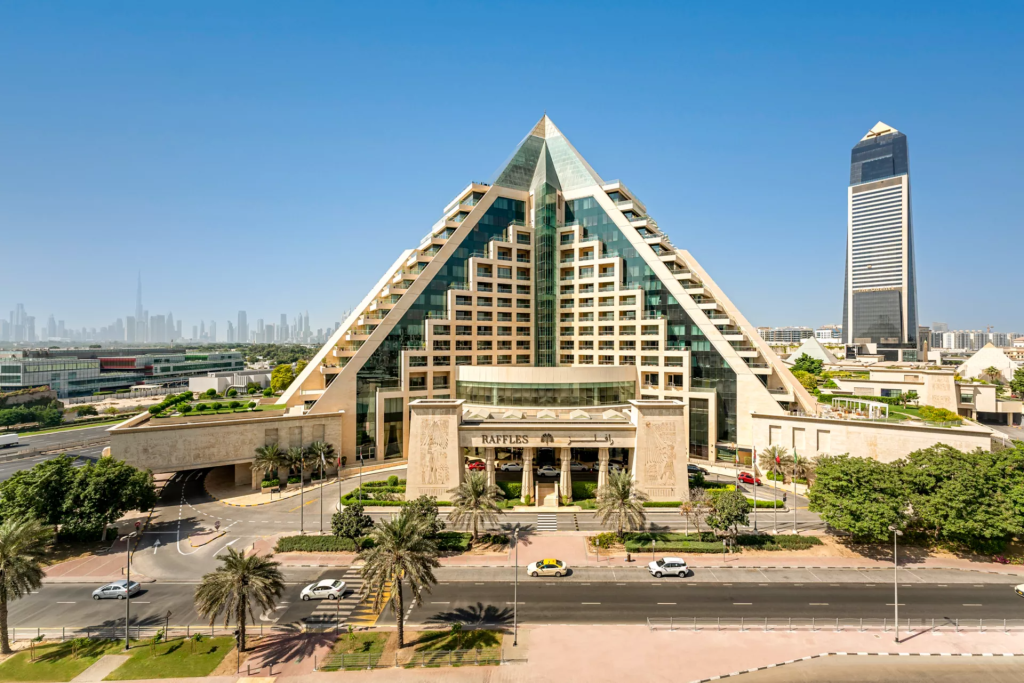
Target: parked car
<point x="329" y="589"/>
<point x="578" y="467"/>
<point x="116" y="590"/>
<point x="476" y="466"/>
<point x="1019" y="590"/>
<point x="547" y="568"/>
<point x="615" y="467"/>
<point x="668" y="566"/>
<point x="547" y="471"/>
<point x="695" y="469"/>
<point x="748" y="478"/>
<point x="511" y="467"/>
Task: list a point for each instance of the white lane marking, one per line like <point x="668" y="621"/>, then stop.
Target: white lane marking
<point x="66" y="603"/>
<point x="445" y="602"/>
<point x="972" y="604"/>
<point x="743" y="603"/>
<point x="225" y="546"/>
<point x="590" y="603"/>
<point x="666" y="603"/>
<point x="818" y="604"/>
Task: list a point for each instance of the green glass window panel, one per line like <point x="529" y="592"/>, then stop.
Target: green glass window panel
<point x="544" y="275"/>
<point x="707" y="363"/>
<point x="383" y="369"/>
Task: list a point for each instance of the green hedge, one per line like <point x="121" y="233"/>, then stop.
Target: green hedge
<point x="584" y="490"/>
<point x="381" y="483"/>
<point x="457" y="541"/>
<point x="641" y="541"/>
<point x="318" y="544"/>
<point x="511" y="489"/>
<point x="662" y="504"/>
<point x="683" y="547"/>
<point x="767" y="503"/>
<point x="268" y="483"/>
<point x="784" y="542"/>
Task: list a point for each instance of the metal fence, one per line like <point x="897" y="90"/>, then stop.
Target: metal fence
<point x="356" y="660"/>
<point x="138" y="632"/>
<point x="437" y="658"/>
<point x="907" y="626"/>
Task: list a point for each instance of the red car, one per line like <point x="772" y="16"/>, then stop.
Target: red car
<point x="747" y="478"/>
<point x="476" y="466"/>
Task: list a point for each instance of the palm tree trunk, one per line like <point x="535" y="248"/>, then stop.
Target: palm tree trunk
<point x="5" y="643"/>
<point x="400" y="612"/>
<point x="475" y="521"/>
<point x="241" y="625"/>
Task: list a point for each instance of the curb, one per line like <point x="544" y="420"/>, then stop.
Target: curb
<point x="859" y="654"/>
<point x="208" y="541"/>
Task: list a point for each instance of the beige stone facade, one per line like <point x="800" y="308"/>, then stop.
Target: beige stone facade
<point x="145" y="443"/>
<point x="813" y="437"/>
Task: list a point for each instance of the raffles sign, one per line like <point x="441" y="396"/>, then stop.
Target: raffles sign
<point x="505" y="439"/>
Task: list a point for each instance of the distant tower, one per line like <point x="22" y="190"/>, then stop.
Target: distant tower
<point x="880" y="290"/>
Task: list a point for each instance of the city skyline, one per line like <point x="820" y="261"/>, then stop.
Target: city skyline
<point x="156" y="328"/>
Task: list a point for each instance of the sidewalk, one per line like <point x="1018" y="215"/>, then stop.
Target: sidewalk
<point x="618" y="653"/>
<point x="220" y="485"/>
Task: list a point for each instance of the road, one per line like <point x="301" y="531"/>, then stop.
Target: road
<point x="551" y="601"/>
<point x="561" y="602"/>
<point x="11" y="463"/>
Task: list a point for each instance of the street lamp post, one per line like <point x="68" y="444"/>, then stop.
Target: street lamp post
<point x="795" y="506"/>
<point x="515" y="593"/>
<point x="896" y="533"/>
<point x="128" y="588"/>
<point x="321" y="495"/>
<point x="753" y="466"/>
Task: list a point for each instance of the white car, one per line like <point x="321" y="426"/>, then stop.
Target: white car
<point x="116" y="590"/>
<point x="1019" y="590"/>
<point x="329" y="589"/>
<point x="578" y="467"/>
<point x="547" y="471"/>
<point x="668" y="566"/>
<point x="511" y="467"/>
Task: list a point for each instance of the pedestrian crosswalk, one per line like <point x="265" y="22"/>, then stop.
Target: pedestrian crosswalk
<point x="547" y="521"/>
<point x="337" y="612"/>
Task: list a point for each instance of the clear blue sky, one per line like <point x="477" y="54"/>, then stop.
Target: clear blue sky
<point x="278" y="156"/>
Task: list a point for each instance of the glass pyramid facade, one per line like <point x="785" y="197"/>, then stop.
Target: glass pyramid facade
<point x="549" y="266"/>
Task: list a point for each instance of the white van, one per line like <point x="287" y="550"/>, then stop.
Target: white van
<point x="8" y="440"/>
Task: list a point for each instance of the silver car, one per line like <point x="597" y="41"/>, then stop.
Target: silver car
<point x="668" y="566"/>
<point x="325" y="589"/>
<point x="116" y="590"/>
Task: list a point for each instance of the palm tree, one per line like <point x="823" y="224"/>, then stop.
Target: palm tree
<point x="401" y="550"/>
<point x="800" y="467"/>
<point x="994" y="373"/>
<point x="297" y="456"/>
<point x="622" y="501"/>
<point x="771" y="459"/>
<point x="474" y="500"/>
<point x="270" y="458"/>
<point x="233" y="587"/>
<point x="22" y="545"/>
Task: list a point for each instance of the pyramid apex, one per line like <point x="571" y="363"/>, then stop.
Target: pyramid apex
<point x="545" y="128"/>
<point x="878" y="129"/>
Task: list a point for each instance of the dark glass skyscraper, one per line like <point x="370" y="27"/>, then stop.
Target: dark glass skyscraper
<point x="880" y="289"/>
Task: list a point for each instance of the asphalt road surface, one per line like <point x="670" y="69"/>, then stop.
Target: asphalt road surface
<point x="9" y="467"/>
<point x="549" y="601"/>
<point x="56" y="439"/>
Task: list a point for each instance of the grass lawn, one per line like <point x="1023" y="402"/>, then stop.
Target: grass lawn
<point x="54" y="662"/>
<point x="361" y="643"/>
<point x="466" y="640"/>
<point x="98" y="423"/>
<point x="174" y="659"/>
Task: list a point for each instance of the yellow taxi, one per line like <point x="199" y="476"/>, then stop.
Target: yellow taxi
<point x="550" y="567"/>
<point x="1019" y="590"/>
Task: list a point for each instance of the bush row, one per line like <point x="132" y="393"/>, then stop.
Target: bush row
<point x="170" y="400"/>
<point x="584" y="490"/>
<point x="683" y="547"/>
<point x="390" y="481"/>
<point x="511" y="489"/>
<point x="456" y="541"/>
<point x="318" y="544"/>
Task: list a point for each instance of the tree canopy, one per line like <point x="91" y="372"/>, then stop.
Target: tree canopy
<point x="1017" y="382"/>
<point x="281" y="377"/>
<point x="809" y="365"/>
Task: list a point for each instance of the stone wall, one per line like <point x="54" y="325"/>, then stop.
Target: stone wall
<point x="171" y="448"/>
<point x="662" y="449"/>
<point x="811" y="436"/>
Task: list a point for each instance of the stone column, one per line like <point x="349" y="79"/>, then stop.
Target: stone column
<point x="489" y="459"/>
<point x="256" y="479"/>
<point x="602" y="468"/>
<point x="565" y="481"/>
<point x="528" y="456"/>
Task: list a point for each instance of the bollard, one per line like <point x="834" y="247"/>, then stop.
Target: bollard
<point x="885" y="625"/>
<point x="719" y="623"/>
<point x="766" y="624"/>
<point x="314" y="663"/>
<point x="981" y="625"/>
<point x="62" y="634"/>
<point x="956" y="623"/>
<point x="837" y="625"/>
<point x="1004" y="626"/>
<point x="741" y="625"/>
<point x="247" y="672"/>
<point x="812" y="624"/>
<point x="862" y="624"/>
<point x="670" y="628"/>
<point x="791" y="624"/>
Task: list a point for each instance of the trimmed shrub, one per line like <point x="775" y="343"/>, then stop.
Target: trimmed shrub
<point x="683" y="547"/>
<point x="393" y="480"/>
<point x="511" y="489"/>
<point x="457" y="541"/>
<point x="604" y="540"/>
<point x="782" y="542"/>
<point x="584" y="490"/>
<point x="494" y="539"/>
<point x="269" y="483"/>
<point x="318" y="544"/>
<point x="662" y="504"/>
<point x="293" y="479"/>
